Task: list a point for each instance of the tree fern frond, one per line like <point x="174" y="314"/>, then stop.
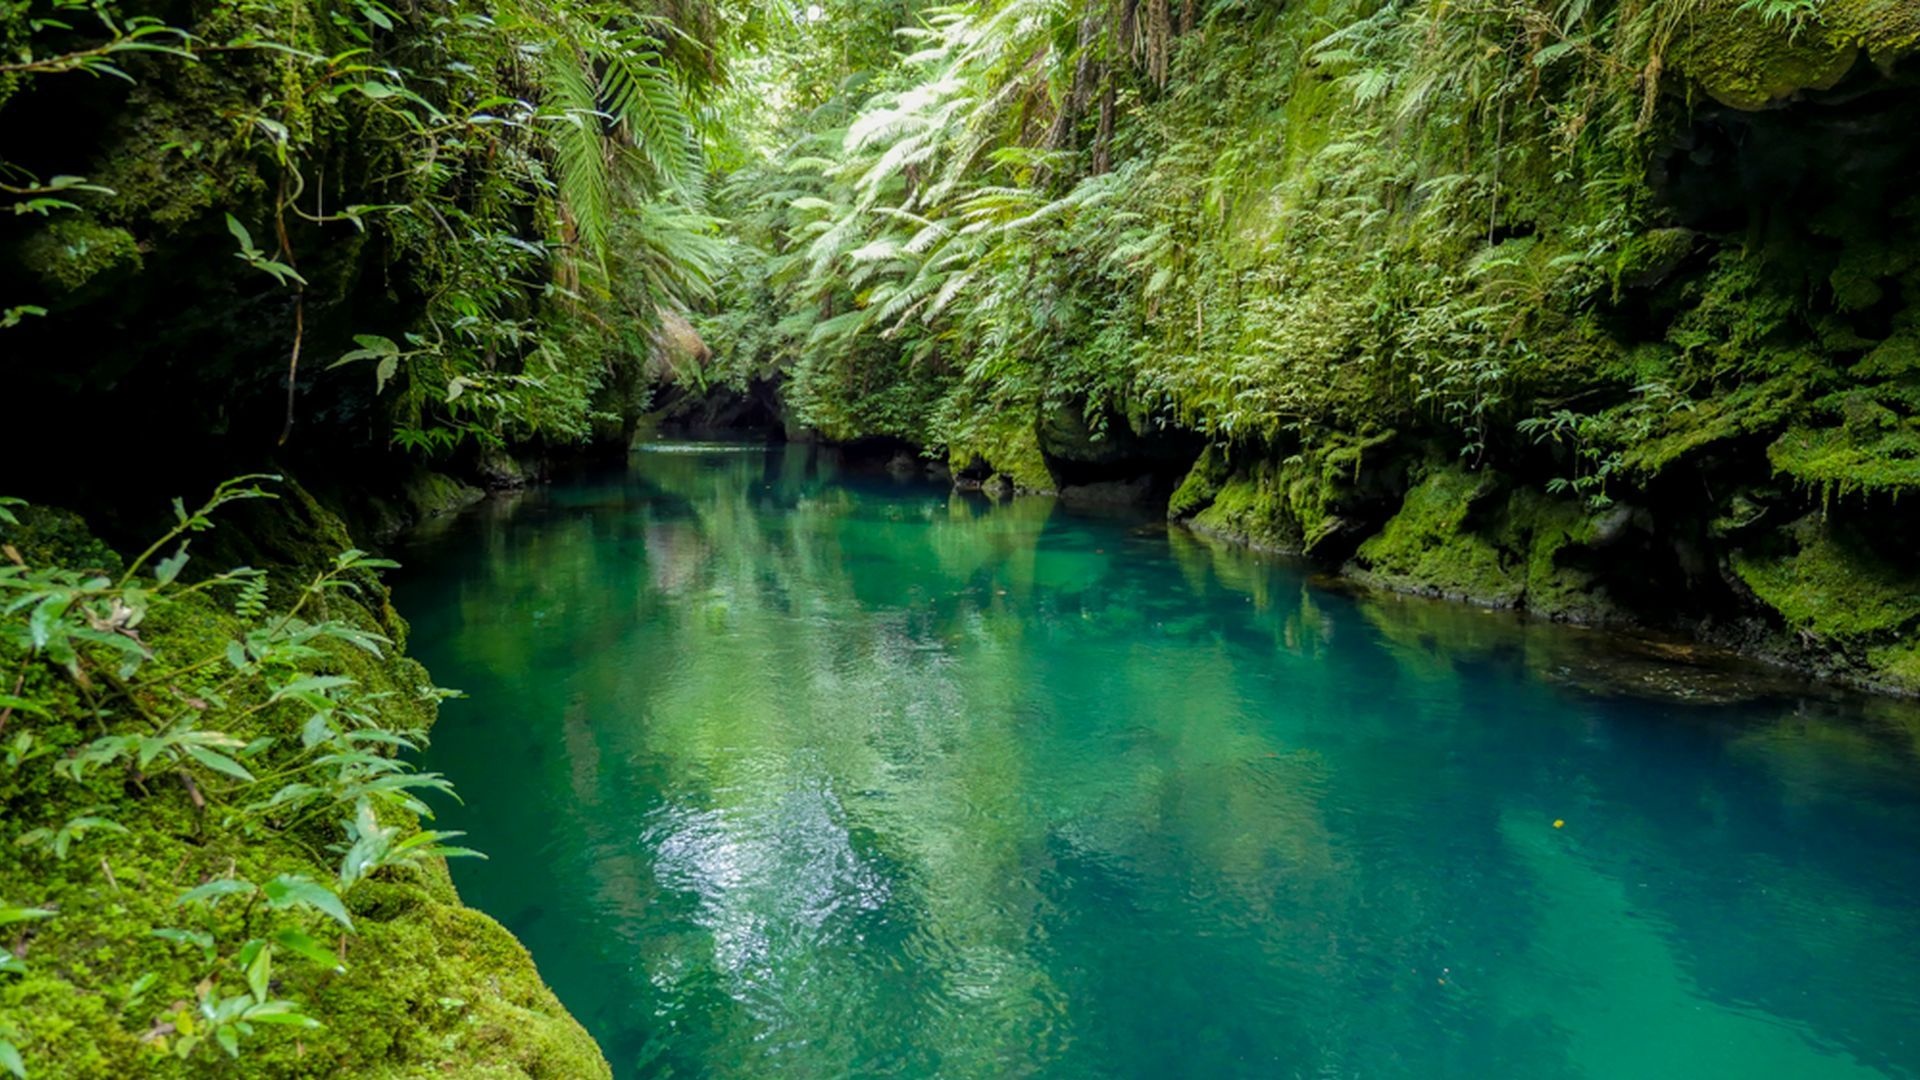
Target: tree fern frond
<point x="576" y="127"/>
<point x="637" y="91"/>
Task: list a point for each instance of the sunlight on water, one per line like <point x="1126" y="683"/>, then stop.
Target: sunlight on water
<point x="787" y="772"/>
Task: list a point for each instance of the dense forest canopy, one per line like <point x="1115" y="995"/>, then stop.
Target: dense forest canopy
<point x="1604" y="309"/>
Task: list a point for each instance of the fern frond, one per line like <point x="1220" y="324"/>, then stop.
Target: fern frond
<point x="651" y="111"/>
<point x="576" y="127"/>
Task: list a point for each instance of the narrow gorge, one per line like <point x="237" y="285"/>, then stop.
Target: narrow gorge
<point x="1384" y="527"/>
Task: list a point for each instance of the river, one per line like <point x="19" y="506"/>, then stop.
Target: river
<point x="788" y="770"/>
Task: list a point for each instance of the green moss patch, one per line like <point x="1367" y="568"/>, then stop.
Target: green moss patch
<point x="1200" y="487"/>
<point x="69" y="252"/>
<point x="1429" y="547"/>
<point x="1832" y="586"/>
<point x="1463" y="535"/>
<point x="1011" y="449"/>
<point x="114" y="979"/>
<point x="1300" y="504"/>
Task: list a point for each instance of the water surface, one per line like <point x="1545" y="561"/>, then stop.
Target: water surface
<point x="790" y="772"/>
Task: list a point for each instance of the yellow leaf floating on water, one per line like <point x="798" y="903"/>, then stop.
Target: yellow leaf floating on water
<point x="1559" y="824"/>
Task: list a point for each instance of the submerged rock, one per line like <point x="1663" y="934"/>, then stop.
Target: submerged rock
<point x="1109" y="493"/>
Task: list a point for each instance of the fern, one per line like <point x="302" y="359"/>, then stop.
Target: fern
<point x="640" y="95"/>
<point x="577" y="129"/>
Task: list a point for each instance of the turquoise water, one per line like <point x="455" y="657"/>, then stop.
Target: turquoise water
<point x="785" y="771"/>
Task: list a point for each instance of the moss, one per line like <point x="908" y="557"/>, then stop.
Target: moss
<point x="1201" y="486"/>
<point x="1878" y="454"/>
<point x="46" y="536"/>
<point x="172" y="149"/>
<point x="1429" y="547"/>
<point x="1553" y="529"/>
<point x="1897" y="665"/>
<point x="1831" y="585"/>
<point x="1302" y="503"/>
<point x="421" y="496"/>
<point x="1865" y="438"/>
<point x="1650" y="256"/>
<point x="430" y="988"/>
<point x="1010" y="447"/>
<point x="1758" y="408"/>
<point x="431" y="494"/>
<point x="1896" y="359"/>
<point x="69" y="252"/>
<point x="474" y="1004"/>
<point x="1744" y="59"/>
<point x="1248" y="508"/>
<point x="1749" y="67"/>
<point x="1462" y="535"/>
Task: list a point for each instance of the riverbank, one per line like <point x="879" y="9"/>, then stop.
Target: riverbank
<point x="1798" y="587"/>
<point x="182" y="746"/>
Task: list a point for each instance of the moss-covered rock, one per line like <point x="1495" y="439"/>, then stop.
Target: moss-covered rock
<point x="1743" y="60"/>
<point x="1897" y="666"/>
<point x="1470" y="535"/>
<point x="1752" y="55"/>
<point x="1432" y="546"/>
<point x="1827" y="582"/>
<point x="1864" y="439"/>
<point x="1201" y="486"/>
<point x="1010" y="448"/>
<point x="422" y="495"/>
<point x="1249" y="507"/>
<point x="1647" y="258"/>
<point x="70" y="252"/>
<point x="424" y="987"/>
<point x="49" y="536"/>
<point x="1308" y="503"/>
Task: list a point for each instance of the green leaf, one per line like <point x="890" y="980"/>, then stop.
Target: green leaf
<point x="315" y="731"/>
<point x="375" y="15"/>
<point x="186" y="937"/>
<point x="24" y="914"/>
<point x="363" y="640"/>
<point x="138" y="989"/>
<point x="214" y="890"/>
<point x="34" y="708"/>
<point x="288" y="891"/>
<point x="169" y="568"/>
<point x="10" y="1060"/>
<point x="308" y="948"/>
<point x="240" y="233"/>
<point x="281" y="1012"/>
<point x="14" y="316"/>
<point x="311" y="684"/>
<point x="219" y="762"/>
<point x="280" y="271"/>
<point x="259" y="971"/>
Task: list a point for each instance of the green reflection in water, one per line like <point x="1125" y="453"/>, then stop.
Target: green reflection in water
<point x="789" y="772"/>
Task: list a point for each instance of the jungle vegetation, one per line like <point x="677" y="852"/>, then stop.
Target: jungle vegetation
<point x="1604" y="309"/>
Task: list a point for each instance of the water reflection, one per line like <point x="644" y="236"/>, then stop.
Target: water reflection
<point x="786" y="770"/>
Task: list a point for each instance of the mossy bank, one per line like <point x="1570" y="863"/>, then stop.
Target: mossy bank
<point x="187" y="900"/>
